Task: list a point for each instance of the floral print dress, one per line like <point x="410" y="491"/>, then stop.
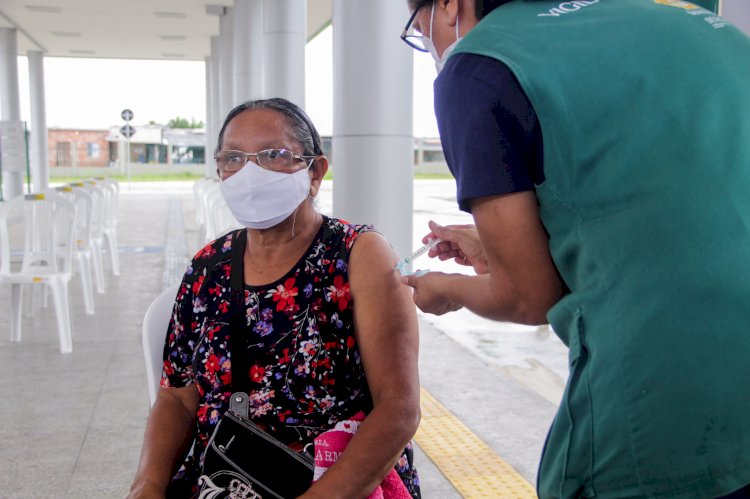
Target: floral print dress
<point x="305" y="368"/>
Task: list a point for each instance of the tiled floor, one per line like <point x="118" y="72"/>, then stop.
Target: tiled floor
<point x="71" y="425"/>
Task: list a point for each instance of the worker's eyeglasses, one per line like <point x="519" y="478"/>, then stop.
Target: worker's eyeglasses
<point x="410" y="36"/>
<point x="277" y="160"/>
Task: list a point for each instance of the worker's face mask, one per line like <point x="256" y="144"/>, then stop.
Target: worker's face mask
<point x="439" y="61"/>
<point x="260" y="198"/>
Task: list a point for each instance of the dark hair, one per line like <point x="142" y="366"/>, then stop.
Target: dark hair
<point x="481" y="7"/>
<point x="301" y="126"/>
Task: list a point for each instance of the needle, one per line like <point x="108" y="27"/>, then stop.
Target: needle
<point x="402" y="264"/>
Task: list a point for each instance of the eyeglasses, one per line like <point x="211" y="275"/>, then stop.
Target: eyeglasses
<point x="408" y="34"/>
<point x="277" y="160"/>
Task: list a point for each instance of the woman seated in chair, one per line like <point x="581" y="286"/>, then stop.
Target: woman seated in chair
<point x="330" y="329"/>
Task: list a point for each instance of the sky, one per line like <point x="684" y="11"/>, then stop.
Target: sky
<point x="91" y="93"/>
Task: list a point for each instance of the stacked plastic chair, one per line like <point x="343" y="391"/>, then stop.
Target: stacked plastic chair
<point x="83" y="251"/>
<point x="98" y="196"/>
<point x="109" y="228"/>
<point x="47" y="223"/>
<point x="200" y="189"/>
<point x="212" y="213"/>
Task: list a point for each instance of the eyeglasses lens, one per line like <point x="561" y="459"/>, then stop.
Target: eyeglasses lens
<point x="411" y="36"/>
<point x="230" y="161"/>
<point x="276" y="159"/>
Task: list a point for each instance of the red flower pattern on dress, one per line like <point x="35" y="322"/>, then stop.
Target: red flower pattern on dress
<point x="256" y="373"/>
<point x="339" y="292"/>
<point x="284" y="294"/>
<point x="197" y="284"/>
<point x="212" y="365"/>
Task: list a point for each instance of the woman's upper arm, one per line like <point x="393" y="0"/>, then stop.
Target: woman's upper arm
<point x="385" y="320"/>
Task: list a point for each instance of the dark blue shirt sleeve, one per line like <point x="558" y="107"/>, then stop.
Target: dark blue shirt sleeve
<point x="489" y="130"/>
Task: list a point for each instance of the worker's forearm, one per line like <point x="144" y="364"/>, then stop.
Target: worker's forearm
<point x="494" y="298"/>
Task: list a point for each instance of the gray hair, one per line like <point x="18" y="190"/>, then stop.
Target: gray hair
<point x="299" y="123"/>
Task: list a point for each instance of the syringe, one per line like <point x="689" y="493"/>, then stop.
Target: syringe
<point x="402" y="264"/>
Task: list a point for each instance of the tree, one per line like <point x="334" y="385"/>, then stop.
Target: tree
<point x="179" y="122"/>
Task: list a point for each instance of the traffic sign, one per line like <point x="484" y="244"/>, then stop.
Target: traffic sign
<point x="127" y="131"/>
<point x="127" y="114"/>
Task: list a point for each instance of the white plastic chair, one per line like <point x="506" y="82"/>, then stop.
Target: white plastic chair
<point x="155" y="325"/>
<point x="221" y="218"/>
<point x="47" y="222"/>
<point x="217" y="217"/>
<point x="82" y="249"/>
<point x="198" y="188"/>
<point x="202" y="190"/>
<point x="97" y="229"/>
<point x="109" y="228"/>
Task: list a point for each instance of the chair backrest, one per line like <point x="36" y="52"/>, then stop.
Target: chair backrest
<point x="99" y="197"/>
<point x="112" y="188"/>
<point x="155" y="325"/>
<point x="48" y="222"/>
<point x="84" y="210"/>
<point x="199" y="188"/>
<point x="11" y="217"/>
<point x="218" y="218"/>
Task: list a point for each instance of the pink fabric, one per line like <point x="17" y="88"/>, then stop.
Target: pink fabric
<point x="329" y="446"/>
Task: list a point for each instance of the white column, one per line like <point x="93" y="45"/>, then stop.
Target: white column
<point x="39" y="151"/>
<point x="218" y="116"/>
<point x="372" y="118"/>
<point x="10" y="110"/>
<point x="210" y="128"/>
<point x="226" y="73"/>
<point x="737" y="12"/>
<point x="284" y="38"/>
<point x="248" y="50"/>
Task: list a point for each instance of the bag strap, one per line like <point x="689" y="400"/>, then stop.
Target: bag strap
<point x="237" y="338"/>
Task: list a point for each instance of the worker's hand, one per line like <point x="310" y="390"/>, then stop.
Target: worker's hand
<point x="460" y="242"/>
<point x="428" y="294"/>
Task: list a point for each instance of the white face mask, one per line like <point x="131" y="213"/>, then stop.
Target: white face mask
<point x="439" y="61"/>
<point x="260" y="198"/>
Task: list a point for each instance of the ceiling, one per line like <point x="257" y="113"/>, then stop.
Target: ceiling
<point x="126" y="29"/>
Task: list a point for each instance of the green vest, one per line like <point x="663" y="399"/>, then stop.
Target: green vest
<point x="644" y="107"/>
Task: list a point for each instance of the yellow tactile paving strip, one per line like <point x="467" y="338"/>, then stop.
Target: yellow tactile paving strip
<point x="467" y="462"/>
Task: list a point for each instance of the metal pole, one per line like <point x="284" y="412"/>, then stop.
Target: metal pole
<point x="127" y="155"/>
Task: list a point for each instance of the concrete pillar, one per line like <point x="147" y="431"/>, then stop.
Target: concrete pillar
<point x="248" y="50"/>
<point x="38" y="143"/>
<point x="372" y="118"/>
<point x="210" y="129"/>
<point x="10" y="111"/>
<point x="226" y="73"/>
<point x="284" y="38"/>
<point x="217" y="114"/>
<point x="738" y="13"/>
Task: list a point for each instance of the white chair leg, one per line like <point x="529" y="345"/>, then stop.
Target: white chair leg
<point x="59" y="289"/>
<point x="84" y="263"/>
<point x="30" y="306"/>
<point x="16" y="300"/>
<point x="114" y="254"/>
<point x="96" y="255"/>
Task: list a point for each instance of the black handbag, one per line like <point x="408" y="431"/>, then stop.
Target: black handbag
<point x="242" y="460"/>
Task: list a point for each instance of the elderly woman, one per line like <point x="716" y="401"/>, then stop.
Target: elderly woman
<point x="331" y="332"/>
